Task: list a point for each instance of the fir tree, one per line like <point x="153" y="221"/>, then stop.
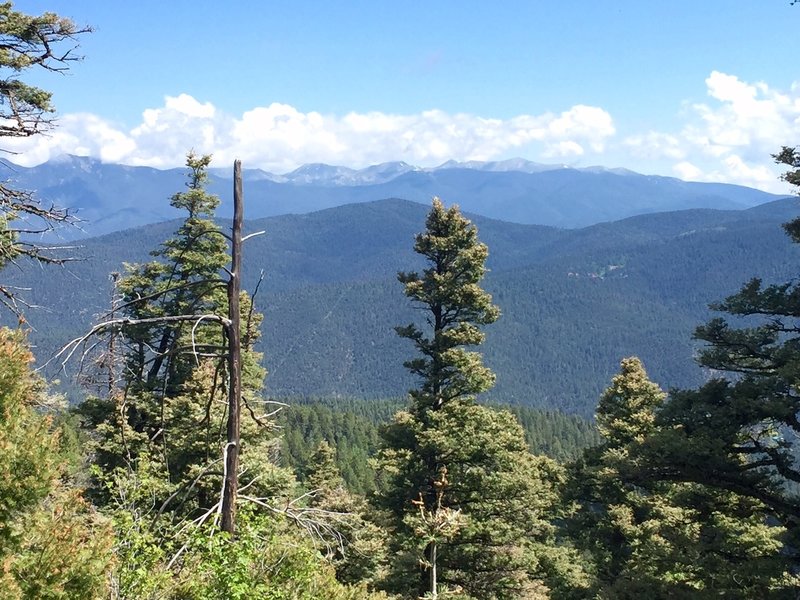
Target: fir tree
<point x="738" y="432"/>
<point x="455" y="305"/>
<point x="42" y="43"/>
<point x="169" y="406"/>
<point x="466" y="502"/>
<point x="661" y="538"/>
<point x="353" y="544"/>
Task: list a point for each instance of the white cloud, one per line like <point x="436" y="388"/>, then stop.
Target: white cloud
<point x="727" y="137"/>
<point x="688" y="171"/>
<point x="739" y="132"/>
<point x="279" y="137"/>
<point x="730" y="137"/>
<point x="732" y="170"/>
<point x="563" y="150"/>
<point x="655" y="145"/>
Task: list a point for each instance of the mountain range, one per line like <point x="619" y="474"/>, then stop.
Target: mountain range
<point x="111" y="197"/>
<point x="574" y="301"/>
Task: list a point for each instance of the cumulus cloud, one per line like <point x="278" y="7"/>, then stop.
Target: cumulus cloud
<point x="733" y="169"/>
<point x="279" y="137"/>
<point x="730" y="137"/>
<point x="727" y="137"/>
<point x="655" y="145"/>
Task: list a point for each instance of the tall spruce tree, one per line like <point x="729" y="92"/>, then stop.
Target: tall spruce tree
<point x="468" y="505"/>
<point x="455" y="305"/>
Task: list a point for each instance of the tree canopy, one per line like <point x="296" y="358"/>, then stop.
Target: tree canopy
<point x="46" y="42"/>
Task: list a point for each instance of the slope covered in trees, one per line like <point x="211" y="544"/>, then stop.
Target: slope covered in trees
<point x="111" y="197"/>
<point x="351" y="426"/>
<point x="574" y="302"/>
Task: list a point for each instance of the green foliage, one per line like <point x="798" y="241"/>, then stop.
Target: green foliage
<point x="267" y="560"/>
<point x="626" y="411"/>
<point x="52" y="543"/>
<point x="170" y="406"/>
<point x="159" y="437"/>
<point x="351" y="431"/>
<point x="455" y="304"/>
<point x="186" y="281"/>
<point x="506" y="496"/>
<point x="738" y="434"/>
<point x="28" y="42"/>
<point x="655" y="537"/>
<point x="351" y="426"/>
<point x="353" y="544"/>
<point x="466" y="503"/>
<point x="553" y="433"/>
<point x="161" y="557"/>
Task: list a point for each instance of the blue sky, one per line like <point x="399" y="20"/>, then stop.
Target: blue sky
<point x="700" y="90"/>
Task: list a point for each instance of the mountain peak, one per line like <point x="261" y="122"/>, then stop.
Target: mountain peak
<point x="517" y="164"/>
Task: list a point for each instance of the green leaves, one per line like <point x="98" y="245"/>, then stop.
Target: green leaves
<point x="28" y="41"/>
<point x="627" y="409"/>
<point x="52" y="545"/>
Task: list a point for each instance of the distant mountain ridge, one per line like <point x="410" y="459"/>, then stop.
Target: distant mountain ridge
<point x="574" y="302"/>
<point x="110" y="197"/>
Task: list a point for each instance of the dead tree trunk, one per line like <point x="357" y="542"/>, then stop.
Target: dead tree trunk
<point x="233" y="333"/>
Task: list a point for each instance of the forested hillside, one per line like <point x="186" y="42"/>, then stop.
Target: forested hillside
<point x="351" y="426"/>
<point x="574" y="302"/>
<point x="110" y="197"/>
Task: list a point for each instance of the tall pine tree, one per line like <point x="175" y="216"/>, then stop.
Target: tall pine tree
<point x="659" y="538"/>
<point x="739" y="431"/>
<point x="468" y="505"/>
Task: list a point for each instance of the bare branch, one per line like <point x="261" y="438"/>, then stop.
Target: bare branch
<point x="69" y="349"/>
<point x="250" y="235"/>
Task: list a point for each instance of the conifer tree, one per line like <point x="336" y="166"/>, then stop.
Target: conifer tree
<point x="353" y="544"/>
<point x="52" y="543"/>
<point x="160" y="433"/>
<point x="660" y="538"/>
<point x="738" y="432"/>
<point x="28" y="43"/>
<point x="169" y="407"/>
<point x="455" y="306"/>
<point x="467" y="504"/>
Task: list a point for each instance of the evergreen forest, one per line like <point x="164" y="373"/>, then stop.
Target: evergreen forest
<point x="170" y="469"/>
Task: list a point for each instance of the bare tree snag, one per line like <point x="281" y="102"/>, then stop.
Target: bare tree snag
<point x="231" y="325"/>
<point x="233" y="332"/>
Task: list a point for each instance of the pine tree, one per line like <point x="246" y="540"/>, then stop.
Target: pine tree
<point x="42" y="43"/>
<point x="159" y="436"/>
<point x="354" y="545"/>
<point x="660" y="538"/>
<point x="455" y="305"/>
<point x="184" y="280"/>
<point x="738" y="432"/>
<point x="169" y="408"/>
<point x="467" y="503"/>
